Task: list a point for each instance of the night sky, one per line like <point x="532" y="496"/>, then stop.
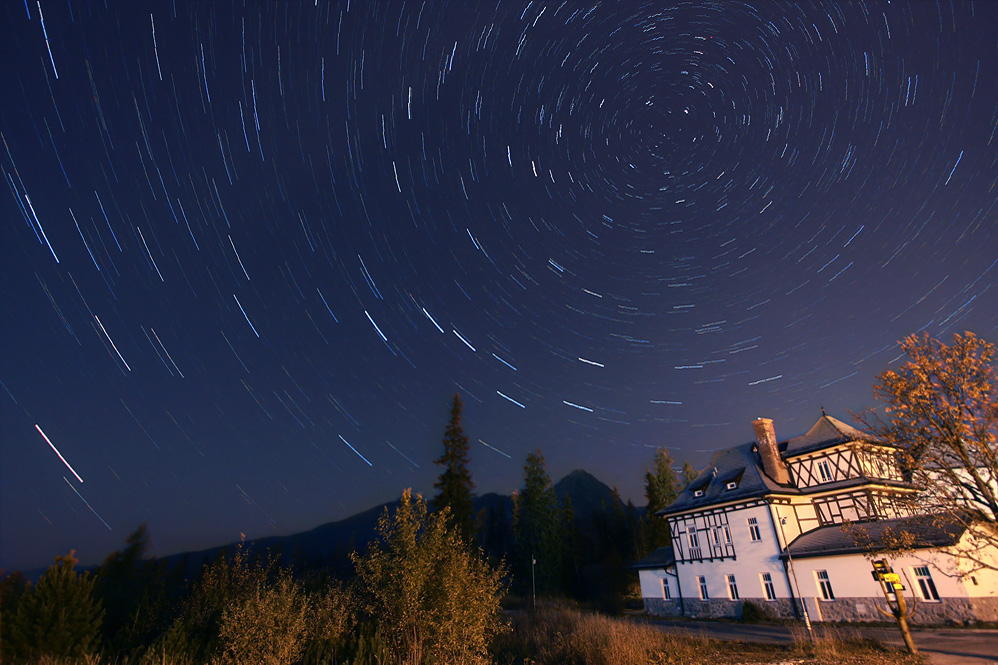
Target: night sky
<point x="250" y="252"/>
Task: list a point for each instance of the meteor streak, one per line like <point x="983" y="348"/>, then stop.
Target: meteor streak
<point x="52" y="446"/>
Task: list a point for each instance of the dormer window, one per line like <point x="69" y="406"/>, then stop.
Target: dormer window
<point x="732" y="478"/>
<point x="697" y="492"/>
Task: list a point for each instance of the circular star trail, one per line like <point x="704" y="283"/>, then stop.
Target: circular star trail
<point x="250" y="251"/>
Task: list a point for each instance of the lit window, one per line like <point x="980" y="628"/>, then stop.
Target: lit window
<point x="925" y="583"/>
<point x="732" y="587"/>
<point x="702" y="583"/>
<point x="666" y="594"/>
<point x="753" y="529"/>
<point x="825" y="471"/>
<point x="825" y="585"/>
<point x="767" y="586"/>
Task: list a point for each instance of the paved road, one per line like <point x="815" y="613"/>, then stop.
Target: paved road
<point x="942" y="646"/>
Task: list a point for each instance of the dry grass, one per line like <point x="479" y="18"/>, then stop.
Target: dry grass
<point x="560" y="634"/>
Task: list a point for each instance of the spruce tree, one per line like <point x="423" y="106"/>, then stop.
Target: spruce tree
<point x="537" y="526"/>
<point x="454" y="486"/>
<point x="662" y="486"/>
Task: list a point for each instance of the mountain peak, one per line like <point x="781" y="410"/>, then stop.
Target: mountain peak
<point x="588" y="493"/>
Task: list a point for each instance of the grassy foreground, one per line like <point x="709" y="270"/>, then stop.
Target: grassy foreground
<point x="557" y="634"/>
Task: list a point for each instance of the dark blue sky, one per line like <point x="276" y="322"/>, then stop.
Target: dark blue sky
<point x="251" y="250"/>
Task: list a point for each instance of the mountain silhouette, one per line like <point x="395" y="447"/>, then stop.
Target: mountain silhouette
<point x="329" y="545"/>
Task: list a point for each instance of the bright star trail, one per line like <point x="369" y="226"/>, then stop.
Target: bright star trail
<point x="607" y="226"/>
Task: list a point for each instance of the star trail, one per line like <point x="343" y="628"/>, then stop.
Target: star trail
<point x="250" y="250"/>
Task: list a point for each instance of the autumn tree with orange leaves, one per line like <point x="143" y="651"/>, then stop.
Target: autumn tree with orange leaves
<point x="941" y="412"/>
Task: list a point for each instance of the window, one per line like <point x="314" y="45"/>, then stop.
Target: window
<point x="702" y="583"/>
<point x="697" y="492"/>
<point x="753" y="529"/>
<point x="732" y="587"/>
<point x="731" y="485"/>
<point x="925" y="584"/>
<point x="666" y="594"/>
<point x="767" y="586"/>
<point x="825" y="470"/>
<point x="825" y="585"/>
<point x="718" y="536"/>
<point x="694" y="544"/>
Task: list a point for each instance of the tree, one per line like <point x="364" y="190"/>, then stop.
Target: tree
<point x="537" y="529"/>
<point x="454" y="485"/>
<point x="433" y="596"/>
<point x="941" y="412"/>
<point x="661" y="488"/>
<point x="59" y="617"/>
<point x="689" y="474"/>
<point x="137" y="599"/>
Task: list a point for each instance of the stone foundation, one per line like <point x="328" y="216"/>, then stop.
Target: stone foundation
<point x="716" y="609"/>
<point x="662" y="608"/>
<point x="949" y="610"/>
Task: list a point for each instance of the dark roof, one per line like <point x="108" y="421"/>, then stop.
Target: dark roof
<point x="739" y="463"/>
<point x="743" y="465"/>
<point x="663" y="557"/>
<point x="825" y="433"/>
<point x="928" y="532"/>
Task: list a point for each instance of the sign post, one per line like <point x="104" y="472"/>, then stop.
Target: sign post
<point x="890" y="583"/>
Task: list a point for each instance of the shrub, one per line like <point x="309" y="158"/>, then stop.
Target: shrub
<point x="435" y="598"/>
<point x="269" y="626"/>
<point x="754" y="613"/>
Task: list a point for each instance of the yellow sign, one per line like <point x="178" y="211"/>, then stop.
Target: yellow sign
<point x="891" y="578"/>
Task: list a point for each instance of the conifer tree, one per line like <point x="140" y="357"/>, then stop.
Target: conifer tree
<point x="537" y="527"/>
<point x="454" y="486"/>
<point x="689" y="474"/>
<point x="661" y="488"/>
<point x="58" y="618"/>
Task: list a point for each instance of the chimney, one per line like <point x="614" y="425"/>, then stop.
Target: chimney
<point x="774" y="466"/>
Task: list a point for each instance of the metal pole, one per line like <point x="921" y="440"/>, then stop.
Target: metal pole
<point x="793" y="573"/>
<point x="533" y="579"/>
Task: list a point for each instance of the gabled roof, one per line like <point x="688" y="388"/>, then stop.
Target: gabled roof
<point x="663" y="557"/>
<point x="738" y="463"/>
<point x="825" y="433"/>
<point x="742" y="464"/>
<point x="928" y="532"/>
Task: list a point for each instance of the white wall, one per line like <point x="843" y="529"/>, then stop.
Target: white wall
<point x="850" y="576"/>
<point x="651" y="583"/>
<point x="753" y="558"/>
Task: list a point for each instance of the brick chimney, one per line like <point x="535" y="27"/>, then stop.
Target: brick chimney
<point x="772" y="463"/>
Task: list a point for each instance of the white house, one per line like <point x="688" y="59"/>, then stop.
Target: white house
<point x="764" y="522"/>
